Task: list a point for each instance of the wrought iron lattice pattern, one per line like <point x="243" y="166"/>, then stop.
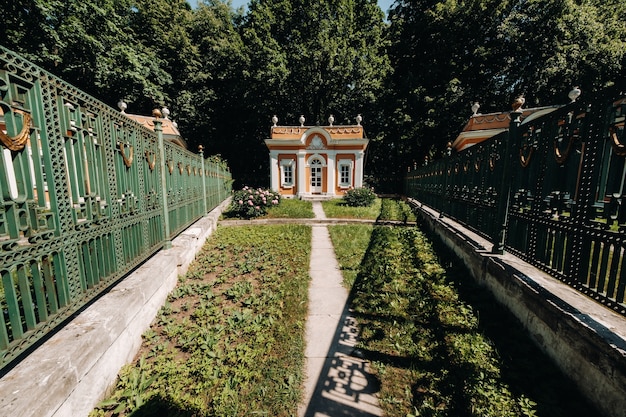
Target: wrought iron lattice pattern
<point x="81" y="200"/>
<point x="565" y="193"/>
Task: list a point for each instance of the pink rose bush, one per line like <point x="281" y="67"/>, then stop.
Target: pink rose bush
<point x="253" y="202"/>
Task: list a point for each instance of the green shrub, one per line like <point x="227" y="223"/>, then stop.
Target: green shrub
<point x="359" y="197"/>
<point x="252" y="202"/>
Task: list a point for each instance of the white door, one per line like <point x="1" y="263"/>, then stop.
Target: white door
<point x="316" y="176"/>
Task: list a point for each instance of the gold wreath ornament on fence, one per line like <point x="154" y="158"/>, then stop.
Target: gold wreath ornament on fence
<point x="18" y="142"/>
<point x="128" y="160"/>
<point x="524" y="159"/>
<point x="151" y="161"/>
<point x="618" y="147"/>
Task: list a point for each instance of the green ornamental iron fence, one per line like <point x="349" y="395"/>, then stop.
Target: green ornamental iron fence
<point x="551" y="190"/>
<point x="86" y="195"/>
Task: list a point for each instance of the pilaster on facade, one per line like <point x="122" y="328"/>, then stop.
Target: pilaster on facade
<point x="358" y="170"/>
<point x="274" y="172"/>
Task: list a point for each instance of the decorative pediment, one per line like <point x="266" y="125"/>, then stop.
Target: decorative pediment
<point x="316" y="143"/>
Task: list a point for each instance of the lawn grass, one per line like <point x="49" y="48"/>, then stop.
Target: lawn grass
<point x="337" y="209"/>
<point x="439" y="344"/>
<point x="291" y="208"/>
<point x="351" y="244"/>
<point x="230" y="339"/>
<point x="384" y="209"/>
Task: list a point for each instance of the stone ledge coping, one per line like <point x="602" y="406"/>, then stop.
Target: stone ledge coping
<point x="583" y="337"/>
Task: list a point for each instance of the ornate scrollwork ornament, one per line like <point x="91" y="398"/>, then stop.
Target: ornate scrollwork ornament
<point x="18" y="142"/>
<point x="492" y="160"/>
<point x="170" y="166"/>
<point x="128" y="160"/>
<point x="616" y="129"/>
<point x="568" y="135"/>
<point x="528" y="147"/>
<point x="616" y="133"/>
<point x="151" y="159"/>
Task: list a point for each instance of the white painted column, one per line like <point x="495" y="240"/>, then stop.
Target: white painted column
<point x="330" y="173"/>
<point x="301" y="179"/>
<point x="358" y="170"/>
<point x="274" y="171"/>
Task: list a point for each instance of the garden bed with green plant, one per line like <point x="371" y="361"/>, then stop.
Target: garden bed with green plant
<point x="439" y="344"/>
<point x="230" y="339"/>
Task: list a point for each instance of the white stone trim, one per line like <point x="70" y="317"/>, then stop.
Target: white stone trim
<point x="274" y="171"/>
<point x="350" y="164"/>
<point x="316" y="156"/>
<point x="358" y="171"/>
<point x="287" y="162"/>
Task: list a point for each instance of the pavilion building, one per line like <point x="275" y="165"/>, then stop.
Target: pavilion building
<point x="316" y="161"/>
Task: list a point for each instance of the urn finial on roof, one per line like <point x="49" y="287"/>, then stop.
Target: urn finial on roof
<point x="518" y="103"/>
<point x="574" y="94"/>
<point x="475" y="108"/>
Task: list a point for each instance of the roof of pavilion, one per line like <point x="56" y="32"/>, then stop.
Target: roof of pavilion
<point x="170" y="129"/>
<point x="480" y="127"/>
<point x="317" y="137"/>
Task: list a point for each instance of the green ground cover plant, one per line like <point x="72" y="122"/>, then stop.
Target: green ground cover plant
<point x="395" y="210"/>
<point x="229" y="341"/>
<point x="338" y="209"/>
<point x="440" y="345"/>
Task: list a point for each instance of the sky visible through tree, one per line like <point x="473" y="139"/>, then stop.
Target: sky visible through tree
<point x="384" y="4"/>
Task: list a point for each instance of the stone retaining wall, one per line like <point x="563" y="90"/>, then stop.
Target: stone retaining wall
<point x="585" y="339"/>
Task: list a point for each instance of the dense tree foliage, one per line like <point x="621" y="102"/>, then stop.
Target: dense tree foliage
<point x="449" y="54"/>
<point x="413" y="76"/>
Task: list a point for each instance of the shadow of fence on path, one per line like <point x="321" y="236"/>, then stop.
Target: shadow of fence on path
<point x="345" y="386"/>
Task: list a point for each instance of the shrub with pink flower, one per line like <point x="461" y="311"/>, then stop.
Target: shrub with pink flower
<point x="252" y="202"/>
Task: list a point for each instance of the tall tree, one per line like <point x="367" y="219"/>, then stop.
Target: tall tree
<point x="445" y="54"/>
<point x="163" y="27"/>
<point x="87" y="43"/>
<point x="554" y="45"/>
<point x="216" y="90"/>
<point x="314" y="59"/>
<point x="335" y="54"/>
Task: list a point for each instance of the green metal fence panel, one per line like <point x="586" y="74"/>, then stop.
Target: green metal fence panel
<point x="566" y="209"/>
<point x="82" y="200"/>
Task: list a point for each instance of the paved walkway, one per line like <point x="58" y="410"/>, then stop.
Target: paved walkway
<point x="338" y="382"/>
